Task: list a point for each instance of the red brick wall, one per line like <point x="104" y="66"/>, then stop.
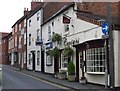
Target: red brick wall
<point x="99" y="8"/>
<point x="35" y="4"/>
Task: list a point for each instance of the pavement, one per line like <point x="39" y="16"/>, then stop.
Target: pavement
<point x="65" y="83"/>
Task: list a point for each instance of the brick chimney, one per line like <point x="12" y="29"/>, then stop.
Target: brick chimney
<point x="35" y="3"/>
<point x="25" y="11"/>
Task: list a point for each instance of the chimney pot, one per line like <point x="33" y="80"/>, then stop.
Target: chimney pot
<point x="24" y="9"/>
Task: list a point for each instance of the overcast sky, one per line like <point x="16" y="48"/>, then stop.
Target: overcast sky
<point x="10" y="12"/>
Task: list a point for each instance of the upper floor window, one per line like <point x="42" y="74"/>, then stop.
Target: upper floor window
<point x="29" y="39"/>
<point x="66" y="27"/>
<point x="19" y="27"/>
<point x="25" y="23"/>
<point x="49" y="33"/>
<point x="38" y="34"/>
<point x="24" y="38"/>
<point x="16" y="28"/>
<point x="29" y="22"/>
<point x="95" y="60"/>
<point x="38" y="16"/>
<point x="15" y="41"/>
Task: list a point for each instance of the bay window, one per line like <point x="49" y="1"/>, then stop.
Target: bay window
<point x="95" y="60"/>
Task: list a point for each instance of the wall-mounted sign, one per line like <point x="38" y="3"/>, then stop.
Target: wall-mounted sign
<point x="49" y="45"/>
<point x="73" y="42"/>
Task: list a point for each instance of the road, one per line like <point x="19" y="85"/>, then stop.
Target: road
<point x="15" y="80"/>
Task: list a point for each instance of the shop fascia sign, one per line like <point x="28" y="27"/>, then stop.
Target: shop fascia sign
<point x="72" y="42"/>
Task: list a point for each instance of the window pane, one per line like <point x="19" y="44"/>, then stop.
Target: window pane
<point x="95" y="59"/>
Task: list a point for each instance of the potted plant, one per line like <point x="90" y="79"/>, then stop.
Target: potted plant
<point x="83" y="80"/>
<point x="71" y="71"/>
<point x="62" y="75"/>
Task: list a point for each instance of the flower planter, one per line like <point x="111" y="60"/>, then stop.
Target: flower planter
<point x="61" y="76"/>
<point x="83" y="80"/>
<point x="71" y="78"/>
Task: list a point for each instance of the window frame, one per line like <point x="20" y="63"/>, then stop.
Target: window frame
<point x="29" y="39"/>
<point x="38" y="57"/>
<point x="49" y="62"/>
<point x="95" y="60"/>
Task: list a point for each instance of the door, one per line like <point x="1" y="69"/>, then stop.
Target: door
<point x="33" y="55"/>
<point x="42" y="62"/>
<point x="56" y="65"/>
<point x="82" y="63"/>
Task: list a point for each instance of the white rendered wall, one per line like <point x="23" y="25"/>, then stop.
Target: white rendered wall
<point x="35" y="25"/>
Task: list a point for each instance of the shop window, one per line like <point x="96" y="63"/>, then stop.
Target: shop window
<point x="95" y="60"/>
<point x="49" y="60"/>
<point x="38" y="57"/>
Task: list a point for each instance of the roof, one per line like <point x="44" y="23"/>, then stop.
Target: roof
<point x="52" y="9"/>
<point x="93" y="17"/>
<point x="32" y="12"/>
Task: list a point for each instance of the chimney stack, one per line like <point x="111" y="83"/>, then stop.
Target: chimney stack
<point x="25" y="11"/>
<point x="36" y="3"/>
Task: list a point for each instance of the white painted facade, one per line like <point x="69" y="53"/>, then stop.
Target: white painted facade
<point x="84" y="31"/>
<point x="32" y="29"/>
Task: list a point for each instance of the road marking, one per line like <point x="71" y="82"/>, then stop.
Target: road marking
<point x="62" y="87"/>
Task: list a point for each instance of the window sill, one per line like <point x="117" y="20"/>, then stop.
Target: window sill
<point x="96" y="73"/>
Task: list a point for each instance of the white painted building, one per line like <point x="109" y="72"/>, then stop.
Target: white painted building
<point x="88" y="49"/>
<point x="33" y="40"/>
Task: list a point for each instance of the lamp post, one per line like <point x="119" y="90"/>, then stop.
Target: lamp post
<point x="111" y="49"/>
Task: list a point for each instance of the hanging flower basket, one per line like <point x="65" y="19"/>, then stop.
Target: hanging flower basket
<point x="56" y="38"/>
<point x="55" y="52"/>
<point x="68" y="51"/>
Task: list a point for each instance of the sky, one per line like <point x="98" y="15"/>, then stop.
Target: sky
<point x="10" y="12"/>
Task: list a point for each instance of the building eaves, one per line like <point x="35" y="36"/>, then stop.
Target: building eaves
<point x="92" y="18"/>
<point x="61" y="10"/>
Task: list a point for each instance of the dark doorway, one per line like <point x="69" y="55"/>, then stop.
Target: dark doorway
<point x="42" y="62"/>
<point x="56" y="64"/>
<point x="33" y="55"/>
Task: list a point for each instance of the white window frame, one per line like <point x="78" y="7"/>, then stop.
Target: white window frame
<point x="38" y="16"/>
<point x="29" y="39"/>
<point x="25" y="57"/>
<point x="38" y="57"/>
<point x="38" y="34"/>
<point x="24" y="38"/>
<point x="66" y="27"/>
<point x="25" y="23"/>
<point x="30" y="22"/>
<point x="95" y="60"/>
<point x="64" y="61"/>
<point x="49" y="33"/>
<point x="29" y="61"/>
<point x="20" y="27"/>
<point x="48" y="60"/>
